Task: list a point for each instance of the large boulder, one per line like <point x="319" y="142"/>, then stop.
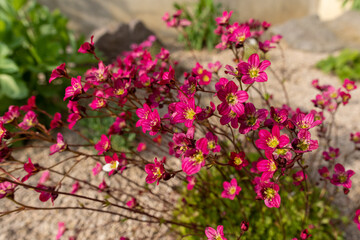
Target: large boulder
<point x="112" y="40"/>
<point x="309" y="34"/>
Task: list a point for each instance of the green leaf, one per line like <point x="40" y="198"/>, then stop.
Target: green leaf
<point x="4" y="50"/>
<point x="13" y="88"/>
<point x="8" y="66"/>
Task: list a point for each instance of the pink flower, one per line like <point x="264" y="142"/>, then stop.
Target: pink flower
<point x="304" y="234"/>
<point x="303" y="142"/>
<point x="253" y="70"/>
<point x="240" y="35"/>
<point x="155" y="171"/>
<point x="12" y="113"/>
<point x="251" y="119"/>
<point x="31" y="105"/>
<point x="31" y="169"/>
<point x="75" y="187"/>
<point x="268" y="191"/>
<point x="212" y="142"/>
<point x="191" y="182"/>
<point x="331" y="155"/>
<point x="6" y="189"/>
<point x="340" y="177"/>
<point x="88" y="47"/>
<point x="56" y="121"/>
<point x="186" y="112"/>
<point x="303" y="121"/>
<point x="299" y="177"/>
<point x="349" y="85"/>
<point x="97" y="169"/>
<point x="75" y="89"/>
<point x="194" y="159"/>
<point x="132" y="203"/>
<point x="356" y="218"/>
<point x="99" y="100"/>
<point x="214" y="67"/>
<point x="231" y="189"/>
<point x="270" y="141"/>
<point x="46" y="193"/>
<point x="44" y="177"/>
<point x="59" y="146"/>
<point x="324" y="172"/>
<point x="30" y="120"/>
<point x="61" y="230"/>
<point x="355" y="137"/>
<point x="141" y="147"/>
<point x="213" y="234"/>
<point x="102" y="185"/>
<point x="58" y="72"/>
<point x="96" y="75"/>
<point x="103" y="145"/>
<point x="115" y="164"/>
<point x="224" y="20"/>
<point x="150" y="121"/>
<point x="232" y="99"/>
<point x="238" y="160"/>
<point x="267" y="166"/>
<point x="157" y="139"/>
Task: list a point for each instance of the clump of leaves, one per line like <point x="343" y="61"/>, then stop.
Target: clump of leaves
<point x="205" y="207"/>
<point x="345" y="65"/>
<point x="200" y="33"/>
<point x="355" y="4"/>
<point x="33" y="42"/>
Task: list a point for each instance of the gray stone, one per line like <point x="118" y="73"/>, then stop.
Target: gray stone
<point x="114" y="39"/>
<point x="347" y="28"/>
<point x="309" y="34"/>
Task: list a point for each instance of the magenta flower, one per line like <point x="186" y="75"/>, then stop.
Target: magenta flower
<point x="238" y="160"/>
<point x="44" y="177"/>
<point x="59" y="146"/>
<point x="349" y="85"/>
<point x="6" y="189"/>
<point x="88" y="47"/>
<point x="191" y="182"/>
<point x="240" y="35"/>
<point x="132" y="203"/>
<point x="213" y="234"/>
<point x="75" y="187"/>
<point x="143" y="114"/>
<point x="270" y="141"/>
<point x="194" y="159"/>
<point x="305" y="234"/>
<point x="331" y="155"/>
<point x="356" y="218"/>
<point x="299" y="177"/>
<point x="3" y="131"/>
<point x="97" y="169"/>
<point x="61" y="230"/>
<point x="355" y="137"/>
<point x="102" y="185"/>
<point x="46" y="193"/>
<point x="303" y="142"/>
<point x="30" y="120"/>
<point x="152" y="123"/>
<point x="303" y="121"/>
<point x="31" y="169"/>
<point x="155" y="171"/>
<point x="186" y="112"/>
<point x="103" y="145"/>
<point x="324" y="172"/>
<point x="112" y="164"/>
<point x="340" y="177"/>
<point x="141" y="146"/>
<point x="268" y="191"/>
<point x="251" y="119"/>
<point x="231" y="189"/>
<point x="232" y="99"/>
<point x="97" y="75"/>
<point x="224" y="20"/>
<point x="267" y="166"/>
<point x="12" y="113"/>
<point x="31" y="104"/>
<point x="214" y="67"/>
<point x="56" y="121"/>
<point x="253" y="70"/>
<point x="118" y="125"/>
<point x="75" y="89"/>
<point x="58" y="72"/>
<point x="212" y="142"/>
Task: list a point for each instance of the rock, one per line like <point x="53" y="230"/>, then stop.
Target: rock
<point x="347" y="28"/>
<point x="309" y="34"/>
<point x="115" y="39"/>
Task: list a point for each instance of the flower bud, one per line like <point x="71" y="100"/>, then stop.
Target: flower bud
<point x="244" y="226"/>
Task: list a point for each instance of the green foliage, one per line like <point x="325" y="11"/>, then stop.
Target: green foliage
<point x="355" y="4"/>
<point x="200" y="33"/>
<point x="346" y="65"/>
<point x="204" y="206"/>
<point x="33" y="42"/>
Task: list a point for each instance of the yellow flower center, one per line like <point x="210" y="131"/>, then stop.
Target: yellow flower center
<point x="349" y="87"/>
<point x="231" y="99"/>
<point x="303" y="145"/>
<point x="254" y="72"/>
<point x="198" y="157"/>
<point x="238" y="160"/>
<point x="272" y="142"/>
<point x="206" y="78"/>
<point x="342" y="178"/>
<point x="113" y="165"/>
<point x="189" y="114"/>
<point x="272" y="166"/>
<point x="269" y="193"/>
<point x="211" y="144"/>
<point x="232" y="114"/>
<point x="281" y="151"/>
<point x="241" y="38"/>
<point x="120" y="91"/>
<point x="232" y="190"/>
<point x="251" y="120"/>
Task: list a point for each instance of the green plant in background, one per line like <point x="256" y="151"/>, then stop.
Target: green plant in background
<point x="355" y="4"/>
<point x="200" y="33"/>
<point x="345" y="65"/>
<point x="33" y="42"/>
<point x="209" y="209"/>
